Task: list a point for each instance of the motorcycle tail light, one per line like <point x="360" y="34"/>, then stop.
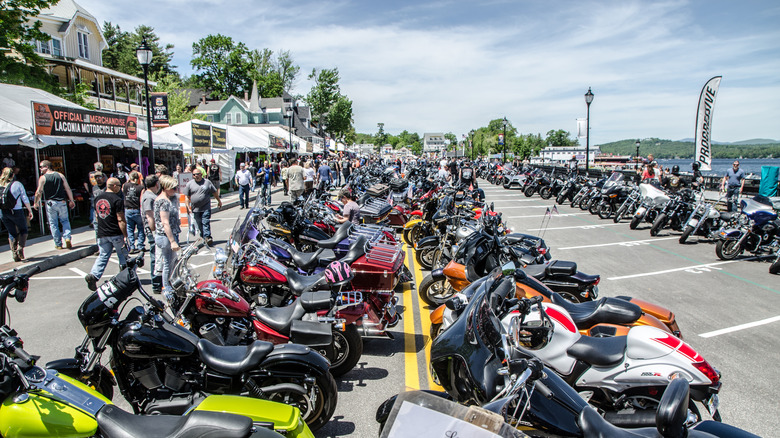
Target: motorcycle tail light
<point x="707" y="370"/>
<point x="542" y="251"/>
<point x="596" y="283"/>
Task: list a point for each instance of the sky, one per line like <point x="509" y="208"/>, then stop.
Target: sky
<point x="452" y="66"/>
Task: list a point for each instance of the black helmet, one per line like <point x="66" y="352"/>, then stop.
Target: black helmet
<point x="675" y="169"/>
<point x="695" y="165"/>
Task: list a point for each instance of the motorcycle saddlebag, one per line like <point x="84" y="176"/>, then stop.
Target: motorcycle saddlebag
<point x="378" y="190"/>
<point x="311" y="333"/>
<point x="561" y="267"/>
<point x="398" y="184"/>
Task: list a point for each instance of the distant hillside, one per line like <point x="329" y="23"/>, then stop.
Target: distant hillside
<point x="684" y="149"/>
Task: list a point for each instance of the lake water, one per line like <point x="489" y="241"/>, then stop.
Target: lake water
<point x="721" y="165"/>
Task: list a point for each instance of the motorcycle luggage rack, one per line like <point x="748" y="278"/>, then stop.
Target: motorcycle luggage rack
<point x="346" y="299"/>
<point x="385" y="252"/>
<point x="372" y="232"/>
<point x="374" y="207"/>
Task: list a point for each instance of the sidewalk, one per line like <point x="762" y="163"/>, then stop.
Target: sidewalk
<point x="40" y="251"/>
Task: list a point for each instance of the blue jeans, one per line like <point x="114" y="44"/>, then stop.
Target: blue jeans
<point x="134" y="221"/>
<point x="106" y="245"/>
<point x="203" y="222"/>
<point x="164" y="258"/>
<point x="732" y="197"/>
<point x="57" y="214"/>
<point x="265" y="194"/>
<point x="243" y="196"/>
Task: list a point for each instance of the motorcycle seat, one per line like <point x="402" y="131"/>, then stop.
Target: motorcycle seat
<point x="233" y="360"/>
<point x="301" y="283"/>
<point x="310" y="260"/>
<point x="341" y="233"/>
<point x="605" y="310"/>
<point x="599" y="351"/>
<point x="113" y="422"/>
<point x="356" y="250"/>
<point x="281" y="318"/>
<point x="561" y="267"/>
<point x="727" y="215"/>
<point x="538" y="272"/>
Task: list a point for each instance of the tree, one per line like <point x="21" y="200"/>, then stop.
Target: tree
<point x="178" y="99"/>
<point x="21" y="65"/>
<point x="120" y="54"/>
<point x="224" y="66"/>
<point x="324" y="93"/>
<point x="380" y="138"/>
<point x="287" y="70"/>
<point x="560" y="137"/>
<point x="340" y="118"/>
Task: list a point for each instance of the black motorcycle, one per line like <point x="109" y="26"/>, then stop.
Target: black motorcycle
<point x="163" y="368"/>
<point x="675" y="212"/>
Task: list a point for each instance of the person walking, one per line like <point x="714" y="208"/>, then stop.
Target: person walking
<point x="111" y="231"/>
<point x="346" y="168"/>
<point x="243" y="180"/>
<point x="295" y="179"/>
<point x="13" y="198"/>
<point x="265" y="177"/>
<point x="53" y="190"/>
<point x="147" y="211"/>
<point x="135" y="225"/>
<point x="283" y="175"/>
<point x="215" y="173"/>
<point x="166" y="230"/>
<point x="252" y="171"/>
<point x="732" y="184"/>
<point x="324" y="178"/>
<point x="197" y="194"/>
<point x="93" y="176"/>
<point x="308" y="178"/>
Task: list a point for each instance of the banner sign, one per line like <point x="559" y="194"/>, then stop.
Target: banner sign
<point x="218" y="138"/>
<point x="159" y="104"/>
<point x="501" y="139"/>
<point x="703" y="142"/>
<point x="201" y="138"/>
<point x="74" y="122"/>
<point x="278" y="142"/>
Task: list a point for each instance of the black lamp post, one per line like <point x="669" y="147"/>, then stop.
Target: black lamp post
<point x="636" y="164"/>
<point x="290" y="116"/>
<point x="588" y="100"/>
<point x="504" y="122"/>
<point x="471" y="142"/>
<point x="144" y="55"/>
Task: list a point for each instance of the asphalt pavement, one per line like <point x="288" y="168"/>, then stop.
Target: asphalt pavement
<point x="727" y="311"/>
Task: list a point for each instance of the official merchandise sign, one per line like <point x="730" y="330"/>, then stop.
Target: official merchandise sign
<point x="159" y="104"/>
<point x="201" y="138"/>
<point x="73" y="122"/>
<point x="218" y="138"/>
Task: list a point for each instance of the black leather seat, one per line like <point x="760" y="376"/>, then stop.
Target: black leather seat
<point x="280" y="318"/>
<point x="561" y="267"/>
<point x="599" y="351"/>
<point x="232" y="360"/>
<point x="340" y="234"/>
<point x="605" y="310"/>
<point x="356" y="250"/>
<point x="116" y="423"/>
<point x="302" y="283"/>
<point x="310" y="260"/>
<point x="537" y="271"/>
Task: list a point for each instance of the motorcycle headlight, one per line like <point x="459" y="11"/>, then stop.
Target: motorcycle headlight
<point x="220" y="258"/>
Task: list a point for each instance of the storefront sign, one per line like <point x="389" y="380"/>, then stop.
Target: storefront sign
<point x="218" y="138"/>
<point x="278" y="142"/>
<point x="74" y="122"/>
<point x="201" y="138"/>
<point x="159" y="104"/>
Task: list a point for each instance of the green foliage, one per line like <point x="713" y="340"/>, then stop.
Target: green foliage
<point x="340" y="118"/>
<point x="560" y="137"/>
<point x="23" y="66"/>
<point x="677" y="149"/>
<point x="224" y="66"/>
<point x="120" y="54"/>
<point x="323" y="93"/>
<point x="80" y="96"/>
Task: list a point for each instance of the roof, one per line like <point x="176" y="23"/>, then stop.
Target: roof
<point x="65" y="10"/>
<point x="215" y="106"/>
<point x="273" y="102"/>
<point x="195" y="95"/>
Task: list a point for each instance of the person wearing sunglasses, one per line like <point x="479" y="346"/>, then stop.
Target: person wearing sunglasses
<point x="732" y="184"/>
<point x="53" y="190"/>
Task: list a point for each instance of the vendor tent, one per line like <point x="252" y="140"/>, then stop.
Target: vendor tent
<point x="243" y="138"/>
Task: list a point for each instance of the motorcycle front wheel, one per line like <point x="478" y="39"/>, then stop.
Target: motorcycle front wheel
<point x="728" y="249"/>
<point x="635" y="222"/>
<point x="658" y="225"/>
<point x="561" y="197"/>
<point x="546" y="192"/>
<point x="416" y="234"/>
<point x="605" y="211"/>
<point x="316" y="406"/>
<point x="529" y="191"/>
<point x="424" y="257"/>
<point x="435" y="292"/>
<point x="686" y="234"/>
<point x="619" y="214"/>
<point x="775" y="268"/>
<point x="436" y="330"/>
<point x="593" y="206"/>
<point x="347" y="349"/>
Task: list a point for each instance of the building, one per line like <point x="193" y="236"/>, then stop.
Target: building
<point x="434" y="143"/>
<point x="562" y="154"/>
<point x="74" y="55"/>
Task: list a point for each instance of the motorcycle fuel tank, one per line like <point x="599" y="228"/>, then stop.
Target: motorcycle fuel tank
<point x="260" y="274"/>
<point x="142" y="341"/>
<point x="228" y="303"/>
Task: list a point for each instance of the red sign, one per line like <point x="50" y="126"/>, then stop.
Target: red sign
<point x="73" y="122"/>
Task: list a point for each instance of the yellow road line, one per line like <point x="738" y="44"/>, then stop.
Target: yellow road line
<point x="410" y="349"/>
<point x="425" y="323"/>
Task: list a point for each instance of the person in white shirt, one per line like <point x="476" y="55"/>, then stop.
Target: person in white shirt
<point x="244" y="182"/>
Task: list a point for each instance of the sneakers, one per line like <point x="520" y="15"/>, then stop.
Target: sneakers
<point x="91" y="282"/>
<point x="68" y="244"/>
<point x="57" y="247"/>
<point x="16" y="255"/>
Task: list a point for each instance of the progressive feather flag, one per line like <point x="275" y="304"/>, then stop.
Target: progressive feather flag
<point x="704" y="114"/>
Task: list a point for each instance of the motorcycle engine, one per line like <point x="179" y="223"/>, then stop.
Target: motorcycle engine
<point x="222" y="331"/>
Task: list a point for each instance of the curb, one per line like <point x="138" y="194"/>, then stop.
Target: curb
<point x="58" y="259"/>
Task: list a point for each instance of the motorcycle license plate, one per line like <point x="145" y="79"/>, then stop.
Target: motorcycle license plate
<point x="713" y="404"/>
<point x="693" y="223"/>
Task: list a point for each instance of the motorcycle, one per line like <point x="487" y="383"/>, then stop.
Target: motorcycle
<point x="613" y="193"/>
<point x="570" y="189"/>
<point x="705" y="220"/>
<point x="629" y="205"/>
<point x="553" y="189"/>
<point x="653" y="199"/>
<point x="756" y="230"/>
<point x="163" y="368"/>
<point x="40" y="401"/>
<point x="674" y="212"/>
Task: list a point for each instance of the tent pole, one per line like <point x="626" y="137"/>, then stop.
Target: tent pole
<point x="41" y="208"/>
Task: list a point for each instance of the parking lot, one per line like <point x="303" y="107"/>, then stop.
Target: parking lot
<point x="727" y="311"/>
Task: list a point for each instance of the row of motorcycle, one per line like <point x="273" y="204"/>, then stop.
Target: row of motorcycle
<point x="529" y="338"/>
<point x="680" y="206"/>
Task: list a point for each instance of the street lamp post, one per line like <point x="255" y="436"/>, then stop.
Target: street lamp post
<point x="144" y="55"/>
<point x="290" y="116"/>
<point x="588" y="100"/>
<point x="636" y="164"/>
<point x="504" y="122"/>
<point x="472" y="143"/>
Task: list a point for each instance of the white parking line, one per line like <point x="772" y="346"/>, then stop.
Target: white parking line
<point x="695" y="269"/>
<point x="138" y="270"/>
<point x="739" y="327"/>
<point x="526" y="206"/>
<point x="201" y="265"/>
<point x="72" y="277"/>
<point x="582" y="227"/>
<point x="626" y="243"/>
<point x="79" y="272"/>
<point x="543" y="215"/>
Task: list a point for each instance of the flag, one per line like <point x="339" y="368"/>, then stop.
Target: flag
<point x="703" y="142"/>
<point x="555" y="209"/>
<point x="410" y="192"/>
<point x="547" y="213"/>
<point x="581" y="128"/>
<point x="389" y="199"/>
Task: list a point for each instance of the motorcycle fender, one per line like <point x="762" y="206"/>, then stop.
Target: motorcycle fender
<point x="383" y="412"/>
<point x="438" y="274"/>
<point x="65" y="366"/>
<point x="294" y="358"/>
<point x="286" y="419"/>
<point x="694" y="223"/>
<point x="430" y="241"/>
<point x="437" y="316"/>
<point x="417" y="213"/>
<point x="412" y="222"/>
<point x="640" y="211"/>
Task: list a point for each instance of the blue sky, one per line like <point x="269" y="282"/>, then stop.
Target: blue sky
<point x="451" y="66"/>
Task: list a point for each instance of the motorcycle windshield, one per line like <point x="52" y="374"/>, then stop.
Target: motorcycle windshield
<point x="244" y="230"/>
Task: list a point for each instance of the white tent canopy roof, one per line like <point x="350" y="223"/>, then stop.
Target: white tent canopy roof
<point x="239" y="138"/>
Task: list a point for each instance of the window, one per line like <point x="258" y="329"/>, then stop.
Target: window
<point x="44" y="47"/>
<point x="56" y="47"/>
<point x="238" y="118"/>
<point x="228" y="119"/>
<point x="83" y="45"/>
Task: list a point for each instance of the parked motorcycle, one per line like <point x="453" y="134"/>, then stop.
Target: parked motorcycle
<point x="705" y="220"/>
<point x="756" y="230"/>
<point x="653" y="199"/>
<point x="675" y="212"/>
<point x="629" y="205"/>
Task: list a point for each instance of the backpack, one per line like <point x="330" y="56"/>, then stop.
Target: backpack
<point x="7" y="200"/>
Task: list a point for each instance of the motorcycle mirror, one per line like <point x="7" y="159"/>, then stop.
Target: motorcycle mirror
<point x="520" y="275"/>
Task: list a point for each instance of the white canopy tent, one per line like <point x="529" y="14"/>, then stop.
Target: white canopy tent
<point x="246" y="138"/>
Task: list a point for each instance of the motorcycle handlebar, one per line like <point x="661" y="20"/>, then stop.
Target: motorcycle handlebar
<point x="12" y="344"/>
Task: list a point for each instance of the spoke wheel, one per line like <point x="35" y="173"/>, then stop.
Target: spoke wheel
<point x="435" y="292"/>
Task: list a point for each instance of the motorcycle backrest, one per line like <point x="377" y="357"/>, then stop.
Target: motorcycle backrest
<point x="673" y="409"/>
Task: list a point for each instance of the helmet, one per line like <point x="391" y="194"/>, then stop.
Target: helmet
<point x="338" y="273"/>
<point x="531" y="333"/>
<point x="675" y="169"/>
<point x="695" y="165"/>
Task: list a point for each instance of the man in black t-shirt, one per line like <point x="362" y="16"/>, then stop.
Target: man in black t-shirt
<point x="135" y="225"/>
<point x="111" y="231"/>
